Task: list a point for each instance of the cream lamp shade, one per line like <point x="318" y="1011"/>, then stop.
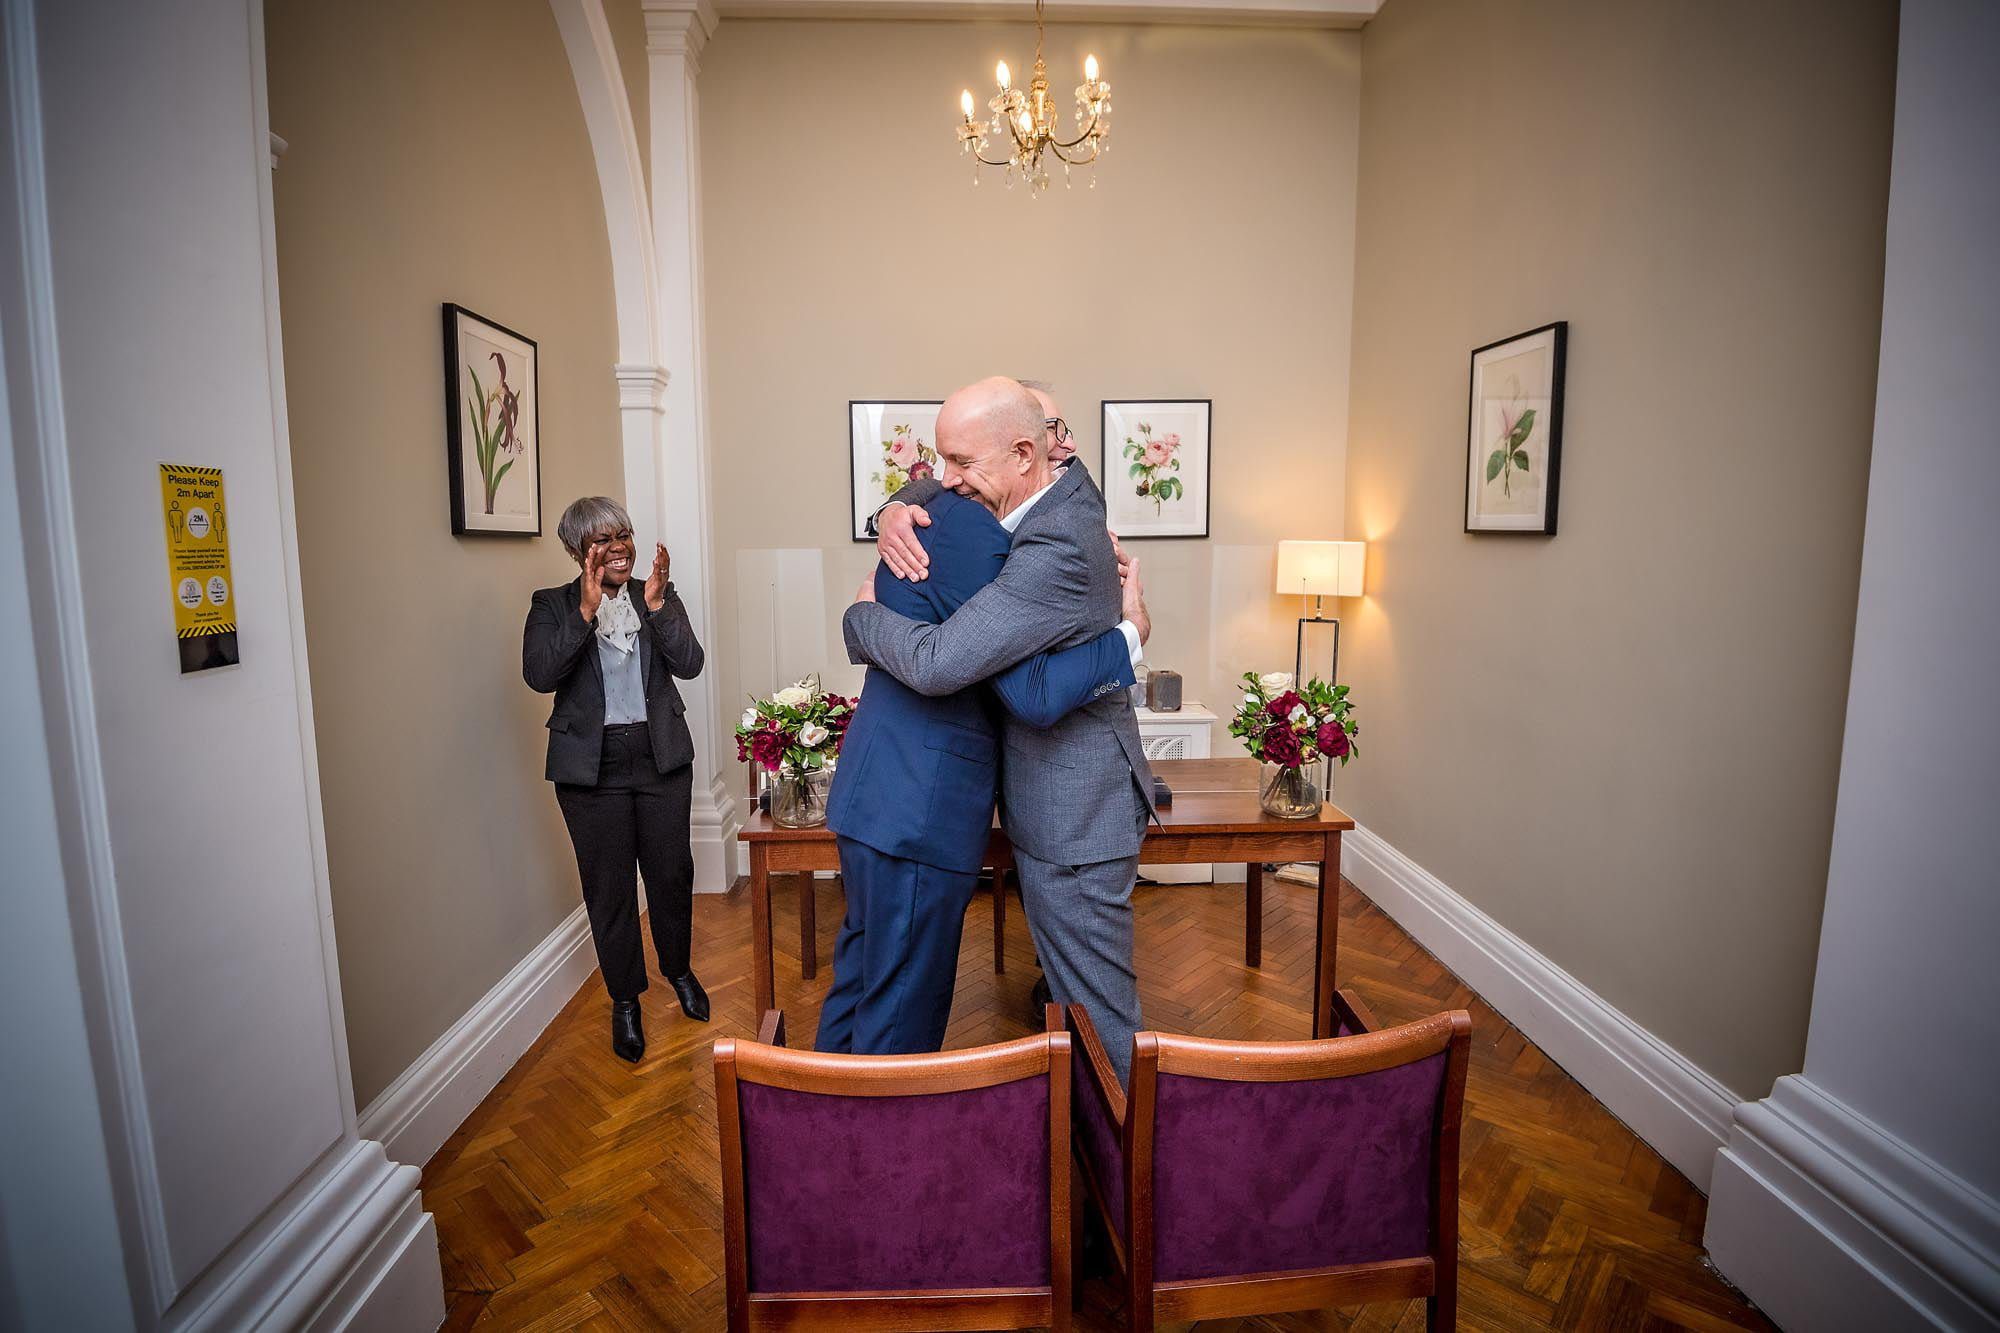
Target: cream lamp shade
<point x="1321" y="569"/>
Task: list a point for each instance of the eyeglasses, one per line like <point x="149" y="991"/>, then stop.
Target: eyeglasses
<point x="1059" y="426"/>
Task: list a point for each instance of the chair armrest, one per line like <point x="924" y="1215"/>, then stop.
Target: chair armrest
<point x="1052" y="1018"/>
<point x="771" y="1031"/>
<point x="1097" y="1062"/>
<point x="1360" y="1018"/>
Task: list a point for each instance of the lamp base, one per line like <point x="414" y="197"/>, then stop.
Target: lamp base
<point x="1299" y="657"/>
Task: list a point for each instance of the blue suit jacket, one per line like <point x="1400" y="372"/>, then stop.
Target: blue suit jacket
<point x="918" y="775"/>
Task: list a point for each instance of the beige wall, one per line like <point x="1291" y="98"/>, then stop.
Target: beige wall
<point x="1622" y="742"/>
<point x="401" y="191"/>
<point x="1205" y="264"/>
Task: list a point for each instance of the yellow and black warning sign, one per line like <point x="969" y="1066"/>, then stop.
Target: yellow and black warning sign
<point x="198" y="573"/>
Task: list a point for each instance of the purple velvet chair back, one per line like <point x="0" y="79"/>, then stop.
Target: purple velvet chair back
<point x="857" y="1185"/>
<point x="945" y="1189"/>
<point x="1253" y="1177"/>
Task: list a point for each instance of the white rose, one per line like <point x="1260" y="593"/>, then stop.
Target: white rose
<point x="811" y="734"/>
<point x="749" y="719"/>
<point x="792" y="696"/>
<point x="1275" y="682"/>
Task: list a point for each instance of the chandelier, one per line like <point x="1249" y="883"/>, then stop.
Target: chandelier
<point x="1023" y="125"/>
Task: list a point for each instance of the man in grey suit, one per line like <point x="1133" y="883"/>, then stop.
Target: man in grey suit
<point x="1075" y="798"/>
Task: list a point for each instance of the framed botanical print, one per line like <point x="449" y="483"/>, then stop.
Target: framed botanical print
<point x="890" y="443"/>
<point x="1155" y="466"/>
<point x="493" y="438"/>
<point x="1513" y="446"/>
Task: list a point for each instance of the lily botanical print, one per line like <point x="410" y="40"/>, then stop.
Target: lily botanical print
<point x="1513" y="446"/>
<point x="495" y="416"/>
<point x="1154" y="464"/>
<point x="492" y="437"/>
<point x="1516" y="424"/>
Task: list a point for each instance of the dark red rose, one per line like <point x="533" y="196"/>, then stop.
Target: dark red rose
<point x="768" y="748"/>
<point x="1281" y="746"/>
<point x="1333" y="740"/>
<point x="1282" y="706"/>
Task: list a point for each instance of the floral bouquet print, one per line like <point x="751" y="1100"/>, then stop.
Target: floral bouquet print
<point x="905" y="458"/>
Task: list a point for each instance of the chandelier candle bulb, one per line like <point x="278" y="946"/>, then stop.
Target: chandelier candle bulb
<point x="1090" y="68"/>
<point x="1000" y="73"/>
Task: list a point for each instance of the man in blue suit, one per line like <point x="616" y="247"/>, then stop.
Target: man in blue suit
<point x="912" y="800"/>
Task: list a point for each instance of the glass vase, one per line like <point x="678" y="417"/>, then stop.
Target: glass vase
<point x="798" y="800"/>
<point x="1288" y="793"/>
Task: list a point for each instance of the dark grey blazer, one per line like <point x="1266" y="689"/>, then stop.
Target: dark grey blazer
<point x="559" y="657"/>
<point x="1070" y="793"/>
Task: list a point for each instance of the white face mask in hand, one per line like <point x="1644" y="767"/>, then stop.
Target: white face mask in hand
<point x="617" y="621"/>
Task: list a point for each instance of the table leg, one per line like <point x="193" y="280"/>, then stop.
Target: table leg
<point x="808" y="926"/>
<point x="762" y="984"/>
<point x="999" y="921"/>
<point x="1328" y="946"/>
<point x="1253" y="914"/>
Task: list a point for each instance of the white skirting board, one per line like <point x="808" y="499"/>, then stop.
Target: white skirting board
<point x="1828" y="1221"/>
<point x="415" y="1115"/>
<point x="1660" y="1093"/>
<point x="353" y="1250"/>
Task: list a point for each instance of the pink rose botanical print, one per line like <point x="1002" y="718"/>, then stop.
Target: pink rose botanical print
<point x="1153" y="465"/>
<point x="1157" y="483"/>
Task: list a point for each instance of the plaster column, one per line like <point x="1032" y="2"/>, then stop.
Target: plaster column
<point x="676" y="31"/>
<point x="1864" y="1192"/>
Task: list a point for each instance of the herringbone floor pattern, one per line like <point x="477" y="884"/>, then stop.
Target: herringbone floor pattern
<point x="583" y="1193"/>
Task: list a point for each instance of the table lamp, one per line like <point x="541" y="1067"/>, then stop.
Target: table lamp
<point x="1320" y="570"/>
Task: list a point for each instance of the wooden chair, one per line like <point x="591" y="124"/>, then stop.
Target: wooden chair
<point x="1243" y="1178"/>
<point x="895" y="1191"/>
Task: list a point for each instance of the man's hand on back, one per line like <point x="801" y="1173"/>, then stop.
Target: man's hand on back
<point x="1132" y="591"/>
<point x="897" y="543"/>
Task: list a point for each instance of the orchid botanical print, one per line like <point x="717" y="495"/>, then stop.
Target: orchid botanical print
<point x="492" y="426"/>
<point x="890" y="443"/>
<point x="1157" y="482"/>
<point x="1514" y="436"/>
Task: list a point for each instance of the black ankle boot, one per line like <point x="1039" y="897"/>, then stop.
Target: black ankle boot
<point x="628" y="1034"/>
<point x="694" y="1000"/>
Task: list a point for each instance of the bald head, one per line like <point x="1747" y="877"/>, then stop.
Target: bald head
<point x="993" y="444"/>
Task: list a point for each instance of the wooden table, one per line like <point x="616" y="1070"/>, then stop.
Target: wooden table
<point x="1214" y="817"/>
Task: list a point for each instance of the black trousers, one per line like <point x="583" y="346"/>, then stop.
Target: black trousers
<point x="634" y="819"/>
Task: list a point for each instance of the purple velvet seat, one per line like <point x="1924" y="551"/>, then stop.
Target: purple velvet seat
<point x="1241" y="1178"/>
<point x="861" y="1189"/>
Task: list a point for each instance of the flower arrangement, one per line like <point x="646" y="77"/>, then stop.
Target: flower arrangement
<point x="797" y="730"/>
<point x="905" y="458"/>
<point x="1153" y="463"/>
<point x="1292" y="727"/>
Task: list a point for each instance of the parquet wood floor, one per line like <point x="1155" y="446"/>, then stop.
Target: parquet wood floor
<point x="583" y="1193"/>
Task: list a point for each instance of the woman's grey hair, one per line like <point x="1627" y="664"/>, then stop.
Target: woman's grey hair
<point x="587" y="518"/>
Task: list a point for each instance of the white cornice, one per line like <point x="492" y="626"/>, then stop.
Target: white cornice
<point x="1239" y="13"/>
<point x="679" y="26"/>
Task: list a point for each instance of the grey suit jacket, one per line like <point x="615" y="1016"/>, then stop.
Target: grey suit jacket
<point x="1070" y="794"/>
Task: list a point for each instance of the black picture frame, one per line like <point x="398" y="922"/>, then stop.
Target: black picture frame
<point x="463" y="523"/>
<point x="854" y="463"/>
<point x="1112" y="472"/>
<point x="1552" y="484"/>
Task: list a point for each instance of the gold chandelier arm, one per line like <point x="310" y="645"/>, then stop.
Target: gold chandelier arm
<point x="992" y="162"/>
<point x="1073" y="161"/>
<point x="1081" y="135"/>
